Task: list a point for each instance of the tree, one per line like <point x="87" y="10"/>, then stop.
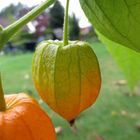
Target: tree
<point x="8" y="14"/>
<point x="74" y="30"/>
<point x="56" y="15"/>
<point x="11" y="10"/>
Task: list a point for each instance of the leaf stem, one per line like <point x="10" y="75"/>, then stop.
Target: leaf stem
<point x="9" y="31"/>
<point x="2" y="100"/>
<point x="66" y="23"/>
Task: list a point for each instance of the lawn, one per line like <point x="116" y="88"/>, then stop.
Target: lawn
<point x="114" y="116"/>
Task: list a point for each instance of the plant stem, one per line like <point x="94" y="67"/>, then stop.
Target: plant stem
<point x="2" y="100"/>
<point x="66" y="23"/>
<point x="9" y="31"/>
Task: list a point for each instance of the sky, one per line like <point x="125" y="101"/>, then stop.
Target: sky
<point x="74" y="8"/>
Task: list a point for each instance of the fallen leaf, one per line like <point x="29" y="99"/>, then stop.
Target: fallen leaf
<point x="121" y="82"/>
<point x="124" y="113"/>
<point x="99" y="137"/>
<point x="114" y="113"/>
<point x="138" y="126"/>
<point x="58" y="130"/>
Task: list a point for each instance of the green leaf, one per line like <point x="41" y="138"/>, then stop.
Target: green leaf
<point x="118" y="20"/>
<point x="128" y="60"/>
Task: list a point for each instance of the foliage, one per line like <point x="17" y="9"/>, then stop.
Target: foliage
<point x="127" y="59"/>
<point x="123" y="29"/>
<point x="74" y="30"/>
<point x="8" y="14"/>
<point x="11" y="10"/>
<point x="23" y="37"/>
<point x="56" y="15"/>
<point x="118" y="20"/>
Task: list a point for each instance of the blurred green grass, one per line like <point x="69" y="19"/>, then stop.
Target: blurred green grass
<point x="114" y="116"/>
